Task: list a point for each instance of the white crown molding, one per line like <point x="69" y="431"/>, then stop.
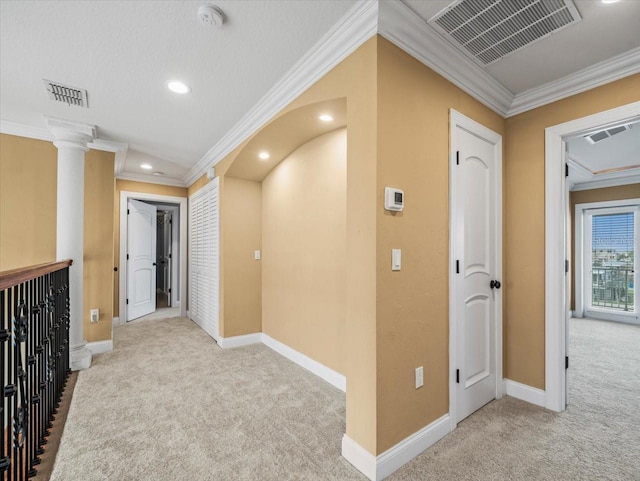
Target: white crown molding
<point x="624" y="178"/>
<point x="406" y="29"/>
<point x="151" y="179"/>
<point x="10" y="127"/>
<point x="40" y="133"/>
<point x="599" y="74"/>
<point x="357" y="26"/>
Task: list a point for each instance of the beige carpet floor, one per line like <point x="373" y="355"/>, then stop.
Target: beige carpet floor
<point x="168" y="404"/>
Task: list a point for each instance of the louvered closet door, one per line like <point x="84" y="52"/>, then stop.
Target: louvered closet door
<point x="204" y="258"/>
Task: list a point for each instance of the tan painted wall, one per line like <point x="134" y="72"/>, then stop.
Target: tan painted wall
<point x="524" y="224"/>
<point x="28" y="172"/>
<point x="99" y="185"/>
<point x="28" y="180"/>
<point x="413" y="313"/>
<point x="241" y="223"/>
<point x="620" y="192"/>
<point x="304" y="250"/>
<point x="355" y="80"/>
<point x="140" y="187"/>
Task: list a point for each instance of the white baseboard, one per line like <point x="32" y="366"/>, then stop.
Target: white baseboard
<point x="115" y="321"/>
<point x="363" y="460"/>
<point x="382" y="466"/>
<point x="188" y="314"/>
<point x="332" y="377"/>
<point x="100" y="347"/>
<point x="239" y="341"/>
<point x="525" y="393"/>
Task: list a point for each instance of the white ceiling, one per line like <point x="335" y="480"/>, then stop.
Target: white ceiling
<point x="123" y="53"/>
<point x="615" y="158"/>
<point x="604" y="32"/>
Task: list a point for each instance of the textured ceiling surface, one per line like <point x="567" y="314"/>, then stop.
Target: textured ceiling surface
<point x="124" y="52"/>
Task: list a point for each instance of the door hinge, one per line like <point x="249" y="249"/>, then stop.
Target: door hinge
<point x="170" y="221"/>
<point x="566" y="266"/>
<point x="169" y="256"/>
<point x="127" y="256"/>
<point x="457" y="157"/>
<point x="566" y="362"/>
<point x="169" y="291"/>
<point x="127" y="211"/>
<point x="457" y="376"/>
<point x="566" y="170"/>
<point x="127" y="301"/>
<point x="457" y="267"/>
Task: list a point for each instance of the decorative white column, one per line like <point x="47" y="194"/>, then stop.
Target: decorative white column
<point x="71" y="139"/>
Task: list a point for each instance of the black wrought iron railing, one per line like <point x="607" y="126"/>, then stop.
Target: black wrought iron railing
<point x="34" y="352"/>
<point x="613" y="288"/>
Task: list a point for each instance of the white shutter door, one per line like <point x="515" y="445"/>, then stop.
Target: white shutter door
<point x="204" y="259"/>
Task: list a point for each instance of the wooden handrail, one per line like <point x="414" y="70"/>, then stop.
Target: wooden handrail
<point x="18" y="276"/>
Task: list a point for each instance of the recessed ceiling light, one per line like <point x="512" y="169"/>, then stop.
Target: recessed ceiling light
<point x="326" y="118"/>
<point x="146" y="166"/>
<point x="178" y="87"/>
<point x="264" y="155"/>
<point x="606" y="2"/>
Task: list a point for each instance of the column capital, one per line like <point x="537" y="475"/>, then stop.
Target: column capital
<point x="71" y="134"/>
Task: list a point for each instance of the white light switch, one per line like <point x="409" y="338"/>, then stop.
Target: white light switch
<point x="95" y="315"/>
<point x="396" y="259"/>
<point x="419" y="377"/>
<point x="256" y="255"/>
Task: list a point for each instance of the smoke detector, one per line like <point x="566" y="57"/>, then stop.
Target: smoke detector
<point x="210" y="16"/>
<point x="67" y="94"/>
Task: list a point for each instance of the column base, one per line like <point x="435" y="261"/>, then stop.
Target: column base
<point x="80" y="358"/>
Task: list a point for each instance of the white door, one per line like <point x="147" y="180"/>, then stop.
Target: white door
<point x="167" y="244"/>
<point x="141" y="259"/>
<point x="476" y="315"/>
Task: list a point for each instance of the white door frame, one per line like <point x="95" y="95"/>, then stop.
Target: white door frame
<point x="555" y="211"/>
<point x="457" y="118"/>
<point x="124" y="232"/>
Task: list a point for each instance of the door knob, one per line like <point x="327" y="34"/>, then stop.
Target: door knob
<point x="495" y="284"/>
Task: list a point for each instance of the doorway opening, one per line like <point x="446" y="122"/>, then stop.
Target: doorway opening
<point x="153" y="254"/>
<point x="558" y="233"/>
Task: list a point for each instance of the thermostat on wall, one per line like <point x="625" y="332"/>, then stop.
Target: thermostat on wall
<point x="393" y="199"/>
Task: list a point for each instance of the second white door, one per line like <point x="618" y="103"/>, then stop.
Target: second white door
<point x="476" y="186"/>
<point x="141" y="259"/>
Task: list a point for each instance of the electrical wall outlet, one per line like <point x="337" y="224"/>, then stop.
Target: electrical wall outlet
<point x="95" y="315"/>
<point x="419" y="377"/>
<point x="257" y="255"/>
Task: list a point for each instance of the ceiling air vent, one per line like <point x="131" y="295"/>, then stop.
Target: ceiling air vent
<point x="488" y="30"/>
<point x="599" y="136"/>
<point x="67" y="94"/>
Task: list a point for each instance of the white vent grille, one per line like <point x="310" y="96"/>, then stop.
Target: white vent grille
<point x="67" y="94"/>
<point x="488" y="30"/>
<point x="601" y="135"/>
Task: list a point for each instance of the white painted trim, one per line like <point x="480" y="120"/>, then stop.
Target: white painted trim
<point x="612" y="181"/>
<point x="526" y="393"/>
<point x="578" y="236"/>
<point x="591" y="77"/>
<point x="410" y="447"/>
<point x="239" y="341"/>
<point x="362" y="460"/>
<point x="99" y="347"/>
<point x="385" y="464"/>
<point x="406" y="29"/>
<point x="455" y="245"/>
<point x="332" y="377"/>
<point x="356" y="27"/>
<point x="151" y="179"/>
<point x="115" y="321"/>
<point x="10" y="127"/>
<point x="555" y="244"/>
<point x="182" y="201"/>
